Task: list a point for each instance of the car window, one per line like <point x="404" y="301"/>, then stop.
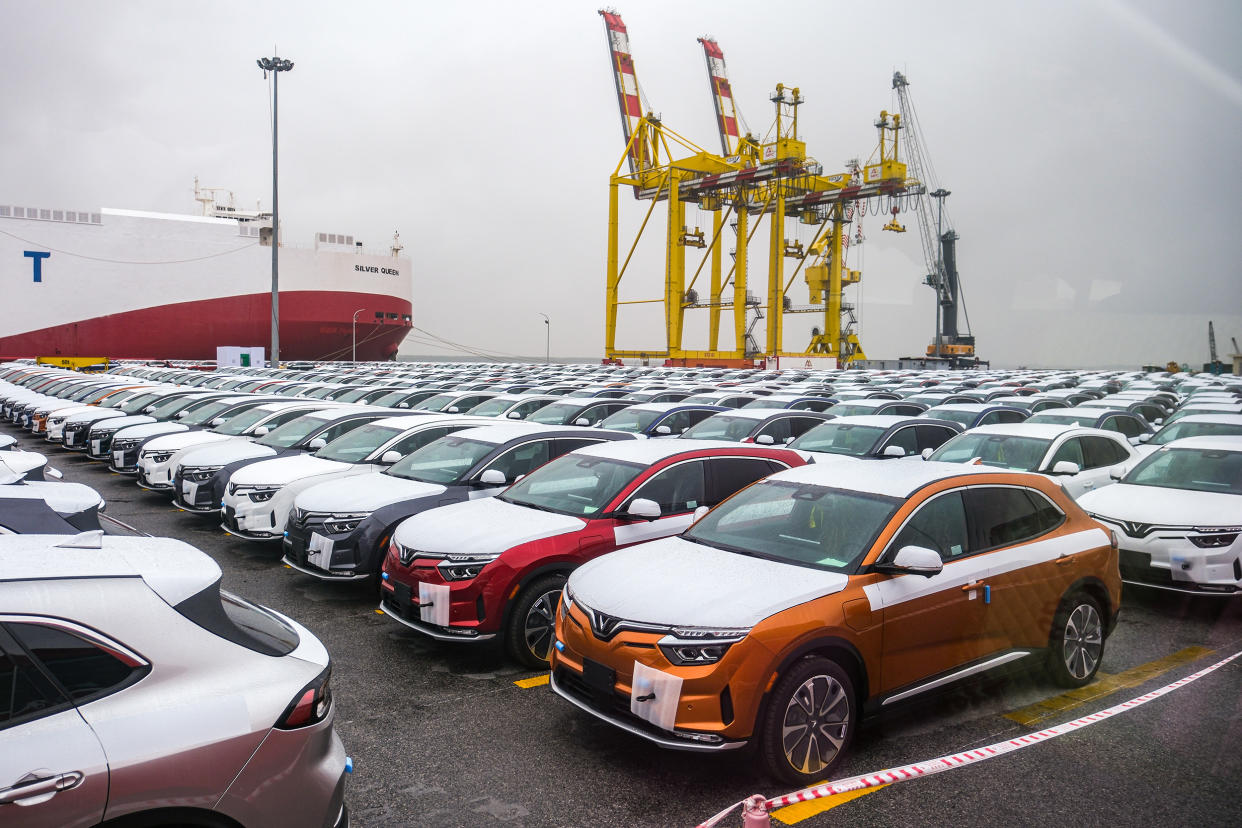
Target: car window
<point x="905" y="438"/>
<point x="1070" y="450"/>
<point x="1010" y="416"/>
<point x="778" y="430"/>
<point x="939" y="525"/>
<point x="1129" y="426"/>
<point x="522" y="459"/>
<point x="80" y="668"/>
<point x="678" y="489"/>
<point x="332" y="432"/>
<point x="573" y="485"/>
<point x="1004" y="515"/>
<point x="801" y="425"/>
<point x="991" y="418"/>
<point x="727" y="475"/>
<point x="1101" y="451"/>
<point x="812" y="405"/>
<point x="20" y="697"/>
<point x="933" y="436"/>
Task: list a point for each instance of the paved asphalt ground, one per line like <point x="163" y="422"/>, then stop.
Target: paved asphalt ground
<point x="442" y="735"/>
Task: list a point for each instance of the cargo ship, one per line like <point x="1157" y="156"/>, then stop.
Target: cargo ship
<point x="130" y="284"/>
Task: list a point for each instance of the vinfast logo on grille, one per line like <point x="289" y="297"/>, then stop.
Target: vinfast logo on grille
<point x="1135" y="529"/>
<point x="603" y="625"/>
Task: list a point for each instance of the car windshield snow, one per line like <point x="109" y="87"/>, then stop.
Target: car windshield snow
<point x="811" y="526"/>
<point x="573" y="485"/>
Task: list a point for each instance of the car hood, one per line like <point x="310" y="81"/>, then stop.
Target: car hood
<point x="20" y="462"/>
<point x="142" y="432"/>
<point x="91" y="415"/>
<point x="116" y="423"/>
<point x="64" y="498"/>
<point x="675" y="582"/>
<point x="364" y="493"/>
<point x="281" y="470"/>
<point x="221" y="454"/>
<point x="1164" y="507"/>
<point x="183" y="439"/>
<point x="481" y="527"/>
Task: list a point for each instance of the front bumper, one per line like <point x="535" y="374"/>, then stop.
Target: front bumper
<point x="1165" y="558"/>
<point x="399" y="602"/>
<point x="249" y="524"/>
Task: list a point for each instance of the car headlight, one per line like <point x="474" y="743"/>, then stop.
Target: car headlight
<point x="342" y="522"/>
<point x="199" y="474"/>
<point x="697" y="645"/>
<point x="463" y="567"/>
<point x="157" y="456"/>
<point x="567" y="601"/>
<point x="262" y="495"/>
<point x="1215" y="537"/>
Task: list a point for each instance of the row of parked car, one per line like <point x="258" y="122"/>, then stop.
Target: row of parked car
<point x="758" y="559"/>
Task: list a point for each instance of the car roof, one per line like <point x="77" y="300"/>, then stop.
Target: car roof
<point x="504" y="432"/>
<point x="973" y="408"/>
<point x="650" y="452"/>
<point x="675" y="406"/>
<point x="1217" y="442"/>
<point x="1219" y="417"/>
<point x="173" y="569"/>
<point x="889" y="479"/>
<point x="879" y="420"/>
<point x="1044" y="431"/>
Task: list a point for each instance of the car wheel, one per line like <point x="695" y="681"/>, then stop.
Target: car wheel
<point x="532" y="622"/>
<point x="1077" y="642"/>
<point x="809" y="722"/>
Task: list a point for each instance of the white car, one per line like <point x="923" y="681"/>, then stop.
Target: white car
<point x="158" y="458"/>
<point x="1080" y="459"/>
<point x="1193" y="425"/>
<point x="259" y="497"/>
<point x="77" y="503"/>
<point x="1178" y="516"/>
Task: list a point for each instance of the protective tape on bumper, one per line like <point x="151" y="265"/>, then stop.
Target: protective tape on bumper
<point x="958" y="760"/>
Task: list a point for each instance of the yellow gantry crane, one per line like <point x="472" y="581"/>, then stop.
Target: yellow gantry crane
<point x="748" y="181"/>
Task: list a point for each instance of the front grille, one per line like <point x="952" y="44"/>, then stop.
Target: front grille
<point x="1136" y="566"/>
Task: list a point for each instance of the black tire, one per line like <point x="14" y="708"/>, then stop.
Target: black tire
<point x="529" y="633"/>
<point x="809" y="722"/>
<point x="1076" y="645"/>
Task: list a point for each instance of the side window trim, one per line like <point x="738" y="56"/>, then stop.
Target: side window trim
<point x="890" y="551"/>
<point x="971" y="526"/>
<point x="637" y="493"/>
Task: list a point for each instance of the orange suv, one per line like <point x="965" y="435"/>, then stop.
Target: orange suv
<point x="831" y="590"/>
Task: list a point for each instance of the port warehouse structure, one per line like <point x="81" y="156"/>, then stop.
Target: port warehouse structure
<point x="131" y="284"/>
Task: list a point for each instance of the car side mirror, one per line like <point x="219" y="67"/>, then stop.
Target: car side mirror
<point x="316" y="444"/>
<point x="55" y="474"/>
<point x="1143" y="438"/>
<point x="663" y="430"/>
<point x="582" y="421"/>
<point x="641" y="507"/>
<point x="261" y="431"/>
<point x="181" y="414"/>
<point x="926" y="453"/>
<point x="452" y="409"/>
<point x="390" y="457"/>
<point x="789" y="439"/>
<point x="764" y="440"/>
<point x="1117" y="472"/>
<point x="514" y="415"/>
<point x="493" y="477"/>
<point x="917" y="560"/>
<point x="218" y="421"/>
<point x="894" y="451"/>
<point x="1160" y="421"/>
<point x="699" y="512"/>
<point x="1066" y="467"/>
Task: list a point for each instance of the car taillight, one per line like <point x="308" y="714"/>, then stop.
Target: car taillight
<point x="310" y="706"/>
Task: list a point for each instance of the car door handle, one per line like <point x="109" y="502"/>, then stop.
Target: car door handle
<point x="1065" y="560"/>
<point x="38" y="787"/>
<point x="975" y="585"/>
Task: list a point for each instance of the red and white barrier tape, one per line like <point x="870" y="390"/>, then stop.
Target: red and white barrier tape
<point x="969" y="757"/>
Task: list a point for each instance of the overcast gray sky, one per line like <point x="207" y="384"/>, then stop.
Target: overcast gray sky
<point x="1091" y="147"/>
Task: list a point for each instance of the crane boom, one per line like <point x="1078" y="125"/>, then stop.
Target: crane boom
<point x="727" y="119"/>
<point x="623" y="77"/>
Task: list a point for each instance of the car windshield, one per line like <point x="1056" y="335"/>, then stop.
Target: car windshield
<point x="573" y="485"/>
<point x="437" y="403"/>
<point x="239" y="423"/>
<point x="357" y="444"/>
<point x="1004" y="450"/>
<point x="806" y="525"/>
<point x="957" y="415"/>
<point x="167" y="410"/>
<point x="1194" y="469"/>
<point x="391" y="398"/>
<point x="294" y="431"/>
<point x="203" y="413"/>
<point x="839" y="438"/>
<point x="443" y="461"/>
<point x="136" y="404"/>
<point x="1178" y="430"/>
<point x="115" y="400"/>
<point x="846" y="409"/>
<point x="722" y="427"/>
<point x="627" y="419"/>
<point x="557" y="413"/>
<point x="493" y="407"/>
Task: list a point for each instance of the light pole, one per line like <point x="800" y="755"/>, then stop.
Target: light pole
<point x="354" y="350"/>
<point x="547" y="339"/>
<point x="940" y="195"/>
<point x="275" y="65"/>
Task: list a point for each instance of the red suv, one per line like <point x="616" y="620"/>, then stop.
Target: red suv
<point x="485" y="568"/>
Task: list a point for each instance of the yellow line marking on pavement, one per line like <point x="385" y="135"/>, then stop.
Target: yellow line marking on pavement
<point x="379" y="612"/>
<point x="1104" y="685"/>
<point x="533" y="681"/>
<point x="792" y="814"/>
